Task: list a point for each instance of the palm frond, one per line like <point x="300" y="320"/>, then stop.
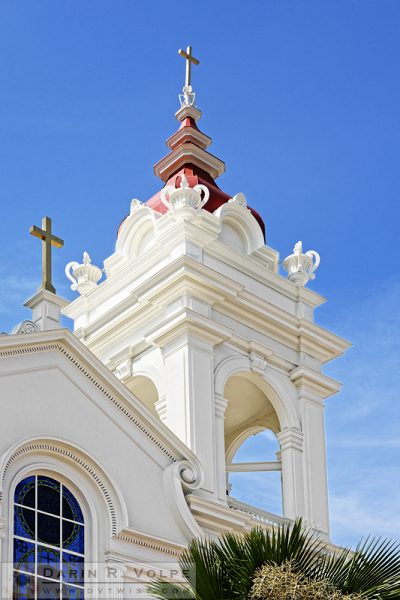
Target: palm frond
<point x="371" y="570"/>
<point x="225" y="569"/>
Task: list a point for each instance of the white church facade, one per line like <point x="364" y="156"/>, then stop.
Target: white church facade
<point x="117" y="439"/>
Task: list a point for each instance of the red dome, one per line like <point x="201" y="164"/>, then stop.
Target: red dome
<point x="189" y="157"/>
<point x="195" y="176"/>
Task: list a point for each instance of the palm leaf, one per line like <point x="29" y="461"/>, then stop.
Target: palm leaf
<point x="225" y="569"/>
<point x="372" y="570"/>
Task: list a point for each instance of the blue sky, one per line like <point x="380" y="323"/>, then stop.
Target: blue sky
<point x="302" y="101"/>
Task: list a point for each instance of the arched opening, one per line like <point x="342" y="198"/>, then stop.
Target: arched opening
<point x="253" y="463"/>
<point x="145" y="390"/>
<point x="254" y="475"/>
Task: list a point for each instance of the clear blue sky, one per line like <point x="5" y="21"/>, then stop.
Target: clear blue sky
<point x="302" y="101"/>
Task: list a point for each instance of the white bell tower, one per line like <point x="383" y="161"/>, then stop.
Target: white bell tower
<point x="195" y="318"/>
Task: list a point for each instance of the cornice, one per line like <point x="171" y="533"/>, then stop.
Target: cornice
<point x="232" y="302"/>
<point x="154" y="294"/>
<point x="321" y="385"/>
<point x="186" y="322"/>
<point x="148" y="541"/>
<point x="228" y="297"/>
<point x="263" y="322"/>
<point x="250" y="265"/>
<point x="216" y="517"/>
<point x="320" y="342"/>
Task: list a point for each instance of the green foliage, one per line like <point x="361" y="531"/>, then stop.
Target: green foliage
<point x="225" y="569"/>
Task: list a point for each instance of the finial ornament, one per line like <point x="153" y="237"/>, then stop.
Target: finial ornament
<point x="300" y="265"/>
<point x="135" y="204"/>
<point x="188" y="96"/>
<point x="48" y="240"/>
<point x="184" y="197"/>
<point x="239" y="199"/>
<point x="85" y="276"/>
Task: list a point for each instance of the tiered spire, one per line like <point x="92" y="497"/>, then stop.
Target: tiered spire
<point x="188" y="146"/>
<point x="189" y="156"/>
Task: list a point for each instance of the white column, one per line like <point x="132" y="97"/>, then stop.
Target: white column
<point x="220" y="452"/>
<point x="291" y="444"/>
<point x="189" y="398"/>
<point x="316" y="485"/>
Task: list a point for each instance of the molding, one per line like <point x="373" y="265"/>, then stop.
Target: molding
<point x="150" y="542"/>
<point x="187" y="322"/>
<point x="228" y="298"/>
<point x="275" y="388"/>
<point x="75" y="455"/>
<point x="161" y="407"/>
<point x="250" y="265"/>
<point x="220" y="404"/>
<point x="236" y="215"/>
<point x="189" y="134"/>
<point x="290" y="437"/>
<point x="123" y="369"/>
<point x="64" y="342"/>
<point x="3" y="528"/>
<point x="319" y="342"/>
<point x="316" y="383"/>
<point x="178" y="157"/>
<point x="258" y="364"/>
<point x="188" y="111"/>
<point x="44" y="295"/>
<point x="240" y="438"/>
<point x="216" y="518"/>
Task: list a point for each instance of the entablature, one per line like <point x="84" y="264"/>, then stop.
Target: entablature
<point x="186" y="283"/>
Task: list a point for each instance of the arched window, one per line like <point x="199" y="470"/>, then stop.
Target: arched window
<point x="48" y="542"/>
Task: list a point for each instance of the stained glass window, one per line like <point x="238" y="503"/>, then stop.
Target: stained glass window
<point x="49" y="541"/>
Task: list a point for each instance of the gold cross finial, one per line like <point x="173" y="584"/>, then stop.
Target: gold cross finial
<point x="189" y="60"/>
<point x="48" y="240"/>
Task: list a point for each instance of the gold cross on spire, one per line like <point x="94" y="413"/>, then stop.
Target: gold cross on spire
<point x="189" y="60"/>
<point x="48" y="240"/>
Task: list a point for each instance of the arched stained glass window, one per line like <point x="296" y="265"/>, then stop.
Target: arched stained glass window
<point x="49" y="546"/>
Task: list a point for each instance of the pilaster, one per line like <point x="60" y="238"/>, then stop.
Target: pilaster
<point x="291" y="451"/>
<point x="187" y="407"/>
<point x="220" y="404"/>
<point x="313" y="387"/>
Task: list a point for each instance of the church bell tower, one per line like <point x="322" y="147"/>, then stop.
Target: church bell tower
<point x="196" y="319"/>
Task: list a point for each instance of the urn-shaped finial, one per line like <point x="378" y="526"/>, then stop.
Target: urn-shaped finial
<point x="183" y="197"/>
<point x="300" y="265"/>
<point x="85" y="276"/>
